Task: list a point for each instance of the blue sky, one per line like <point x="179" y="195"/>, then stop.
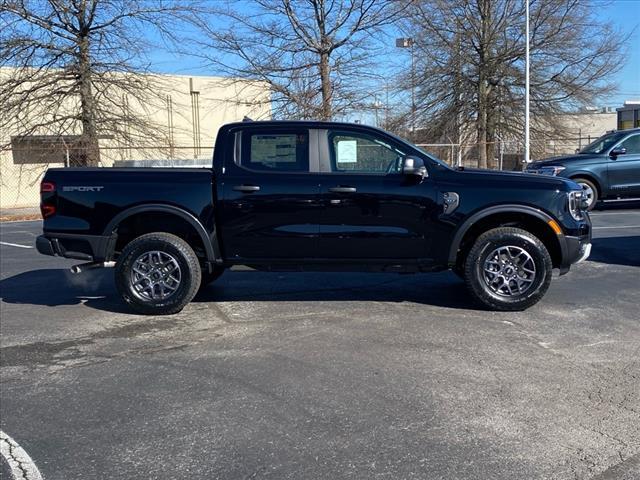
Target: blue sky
<point x="622" y="14"/>
<point x="625" y="14"/>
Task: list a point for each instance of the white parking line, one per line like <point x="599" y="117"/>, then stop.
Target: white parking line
<point x="602" y="228"/>
<point x="606" y="214"/>
<point x="12" y="232"/>
<point x="15" y="245"/>
<point x="19" y="461"/>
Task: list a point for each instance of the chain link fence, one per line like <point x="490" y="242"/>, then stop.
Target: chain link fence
<point x="508" y="155"/>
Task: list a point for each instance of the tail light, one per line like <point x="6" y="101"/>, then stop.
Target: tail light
<point x="47" y="207"/>
<point x="46" y="187"/>
<point x="47" y="210"/>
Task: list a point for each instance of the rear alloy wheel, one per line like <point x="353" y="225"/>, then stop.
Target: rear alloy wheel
<point x="158" y="274"/>
<point x="590" y="191"/>
<point x="508" y="269"/>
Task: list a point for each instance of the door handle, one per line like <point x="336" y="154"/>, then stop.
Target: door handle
<point x="246" y="188"/>
<point x="343" y="189"/>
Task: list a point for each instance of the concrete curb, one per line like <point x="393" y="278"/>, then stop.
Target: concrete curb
<point x="18" y="214"/>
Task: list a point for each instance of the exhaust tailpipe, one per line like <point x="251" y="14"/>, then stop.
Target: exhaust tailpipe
<point x="90" y="266"/>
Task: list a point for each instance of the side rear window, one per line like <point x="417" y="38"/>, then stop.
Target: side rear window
<point x="282" y="151"/>
<point x="632" y="144"/>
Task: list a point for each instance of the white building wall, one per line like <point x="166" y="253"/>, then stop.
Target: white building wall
<point x="221" y="100"/>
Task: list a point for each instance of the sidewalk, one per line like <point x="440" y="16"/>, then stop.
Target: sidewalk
<point x="24" y="213"/>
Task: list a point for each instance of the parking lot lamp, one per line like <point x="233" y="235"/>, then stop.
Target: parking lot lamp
<point x="409" y="43"/>
<point x="526" y="87"/>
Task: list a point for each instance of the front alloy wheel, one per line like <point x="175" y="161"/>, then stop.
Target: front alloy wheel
<point x="508" y="269"/>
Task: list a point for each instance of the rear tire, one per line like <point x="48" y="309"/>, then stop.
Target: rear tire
<point x="590" y="190"/>
<point x="508" y="269"/>
<point x="158" y="274"/>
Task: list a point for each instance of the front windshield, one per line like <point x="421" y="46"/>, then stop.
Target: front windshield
<point x="603" y="143"/>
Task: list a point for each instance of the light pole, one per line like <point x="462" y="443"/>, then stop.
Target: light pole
<point x="526" y="88"/>
<point x="408" y="43"/>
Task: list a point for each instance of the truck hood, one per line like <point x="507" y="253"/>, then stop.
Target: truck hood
<point x="563" y="160"/>
<point x="509" y="179"/>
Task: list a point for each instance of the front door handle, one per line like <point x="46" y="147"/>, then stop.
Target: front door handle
<point x="343" y="189"/>
<point x="246" y="188"/>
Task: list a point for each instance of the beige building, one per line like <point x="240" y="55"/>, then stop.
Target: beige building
<point x="582" y="128"/>
<point x="184" y="114"/>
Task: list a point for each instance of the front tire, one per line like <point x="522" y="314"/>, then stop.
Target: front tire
<point x="508" y="269"/>
<point x="158" y="274"/>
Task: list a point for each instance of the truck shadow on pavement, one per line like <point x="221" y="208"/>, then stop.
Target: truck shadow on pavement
<point x="443" y="289"/>
<point x="616" y="250"/>
<point x="96" y="288"/>
<point x="58" y="287"/>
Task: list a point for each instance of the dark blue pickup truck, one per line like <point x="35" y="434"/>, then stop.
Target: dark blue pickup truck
<point x="608" y="168"/>
<point x="314" y="196"/>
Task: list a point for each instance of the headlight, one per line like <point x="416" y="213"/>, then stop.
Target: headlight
<point x="550" y="170"/>
<point x="576" y="204"/>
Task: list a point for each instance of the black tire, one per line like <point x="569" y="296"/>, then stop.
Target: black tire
<point x="501" y="243"/>
<point x="210" y="277"/>
<point x="168" y="251"/>
<point x="588" y="186"/>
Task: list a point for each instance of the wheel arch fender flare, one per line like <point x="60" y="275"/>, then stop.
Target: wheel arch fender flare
<point x="510" y="208"/>
<point x="208" y="240"/>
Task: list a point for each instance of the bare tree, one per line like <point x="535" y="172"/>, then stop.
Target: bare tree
<point x="76" y="67"/>
<point x="470" y="55"/>
<point x="315" y="55"/>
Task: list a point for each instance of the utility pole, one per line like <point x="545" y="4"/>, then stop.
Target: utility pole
<point x="409" y="43"/>
<point x="527" y="157"/>
<point x="413" y="90"/>
<point x="459" y="98"/>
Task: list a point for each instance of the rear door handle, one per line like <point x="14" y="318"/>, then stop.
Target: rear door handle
<point x="246" y="188"/>
<point x="343" y="189"/>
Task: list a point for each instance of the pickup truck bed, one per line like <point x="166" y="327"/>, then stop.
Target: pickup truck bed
<point x="91" y="204"/>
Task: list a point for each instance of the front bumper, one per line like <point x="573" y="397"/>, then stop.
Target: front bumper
<point x="80" y="247"/>
<point x="574" y="250"/>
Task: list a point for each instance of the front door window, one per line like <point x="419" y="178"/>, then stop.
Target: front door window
<point x="363" y="154"/>
<point x="632" y="145"/>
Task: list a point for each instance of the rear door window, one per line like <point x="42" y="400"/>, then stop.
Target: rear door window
<point x="281" y="151"/>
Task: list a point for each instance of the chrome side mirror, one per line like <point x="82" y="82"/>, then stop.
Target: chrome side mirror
<point x="414" y="166"/>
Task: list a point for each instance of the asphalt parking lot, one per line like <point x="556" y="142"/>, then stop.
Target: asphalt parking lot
<point x="303" y="375"/>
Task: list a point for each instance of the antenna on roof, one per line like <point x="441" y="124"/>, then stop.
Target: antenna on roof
<point x="247" y="119"/>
